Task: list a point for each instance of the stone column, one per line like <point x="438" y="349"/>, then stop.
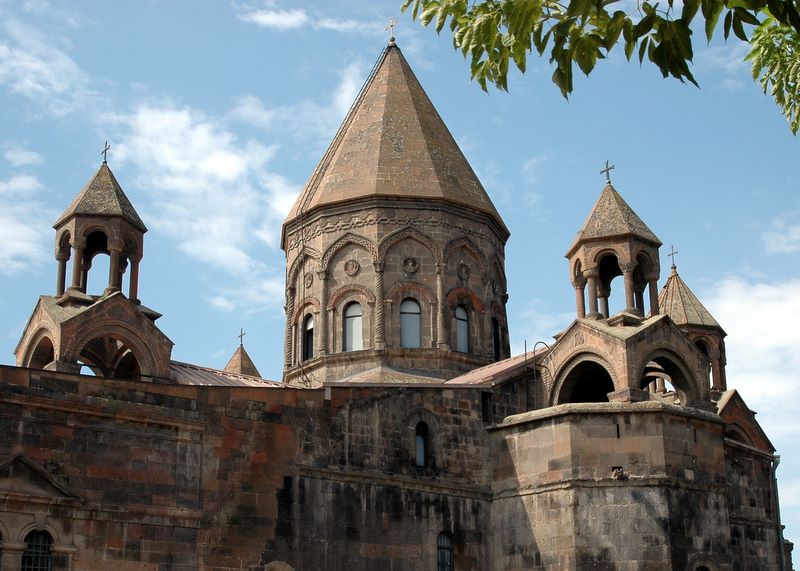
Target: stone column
<point x="602" y="298"/>
<point x="380" y="335"/>
<point x="580" y="296"/>
<point x="653" y="286"/>
<point x="717" y="383"/>
<point x="323" y="312"/>
<point x="287" y="334"/>
<point x="61" y="278"/>
<point x="591" y="279"/>
<point x="85" y="276"/>
<point x="441" y="338"/>
<point x="77" y="265"/>
<point x="133" y="284"/>
<point x="627" y="275"/>
<point x="115" y="247"/>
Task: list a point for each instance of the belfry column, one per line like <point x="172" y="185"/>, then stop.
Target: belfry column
<point x="602" y="298"/>
<point x="323" y="313"/>
<point x="580" y="296"/>
<point x="77" y="265"/>
<point x="441" y="339"/>
<point x="133" y="284"/>
<point x="380" y="339"/>
<point x="653" y="286"/>
<point x="627" y="274"/>
<point x="115" y="246"/>
<point x="61" y="279"/>
<point x="287" y="334"/>
<point x="591" y="279"/>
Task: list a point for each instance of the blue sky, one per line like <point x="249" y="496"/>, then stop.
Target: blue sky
<point x="217" y="112"/>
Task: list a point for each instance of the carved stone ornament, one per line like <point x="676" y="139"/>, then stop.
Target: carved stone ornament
<point x="463" y="271"/>
<point x="351" y="268"/>
<point x="410" y="265"/>
<point x="308" y="279"/>
<point x="495" y="287"/>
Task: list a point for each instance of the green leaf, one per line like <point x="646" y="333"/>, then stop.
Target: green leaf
<point x="711" y="11"/>
<point x="738" y="29"/>
<point x="726" y="26"/>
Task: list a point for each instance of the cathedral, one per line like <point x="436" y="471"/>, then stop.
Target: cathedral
<point x="403" y="435"/>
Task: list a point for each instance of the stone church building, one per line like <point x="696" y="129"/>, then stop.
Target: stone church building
<point x="403" y="435"/>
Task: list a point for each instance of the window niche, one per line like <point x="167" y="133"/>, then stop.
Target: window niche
<point x="38" y="554"/>
<point x="462" y="329"/>
<point x="353" y="333"/>
<point x="410" y="324"/>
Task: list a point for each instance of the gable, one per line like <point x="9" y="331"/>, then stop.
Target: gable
<point x="20" y="475"/>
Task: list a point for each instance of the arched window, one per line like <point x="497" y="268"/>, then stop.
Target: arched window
<point x="444" y="552"/>
<point x="410" y="324"/>
<point x="496" y="338"/>
<point x="352" y="327"/>
<point x="308" y="338"/>
<point x="462" y="330"/>
<point x="37" y="556"/>
<point x="421" y="445"/>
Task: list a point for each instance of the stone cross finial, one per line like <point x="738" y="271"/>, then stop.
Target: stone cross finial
<point x="390" y="28"/>
<point x="106" y="148"/>
<point x="671" y="254"/>
<point x="607" y="172"/>
<point x="241" y="335"/>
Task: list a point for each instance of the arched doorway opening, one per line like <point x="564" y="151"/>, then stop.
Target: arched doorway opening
<point x="586" y="382"/>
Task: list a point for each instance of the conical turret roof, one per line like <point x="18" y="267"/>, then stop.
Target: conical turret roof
<point x="393" y="143"/>
<point x="683" y="307"/>
<point x="241" y="364"/>
<point x="611" y="216"/>
<point x="102" y="196"/>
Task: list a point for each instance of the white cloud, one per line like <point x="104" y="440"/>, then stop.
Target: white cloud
<point x="33" y="68"/>
<point x="531" y="167"/>
<point x="783" y="237"/>
<point x="20" y="157"/>
<point x="761" y="346"/>
<point x="538" y="324"/>
<point x="350" y="26"/>
<point x="24" y="224"/>
<point x="309" y="121"/>
<point x="209" y="191"/>
<point x="276" y="19"/>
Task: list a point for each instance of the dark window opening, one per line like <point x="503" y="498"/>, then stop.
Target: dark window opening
<point x="37" y="555"/>
<point x="308" y="338"/>
<point x="588" y="382"/>
<point x="444" y="553"/>
<point x="421" y="445"/>
<point x="462" y="330"/>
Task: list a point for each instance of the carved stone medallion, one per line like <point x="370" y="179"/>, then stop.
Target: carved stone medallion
<point x="308" y="279"/>
<point x="351" y="268"/>
<point x="463" y="271"/>
<point x="410" y="265"/>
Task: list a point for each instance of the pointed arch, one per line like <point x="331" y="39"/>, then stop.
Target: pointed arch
<point x="411" y="233"/>
<point x="348" y="238"/>
<point x="458" y="295"/>
<point x="306" y="253"/>
<point x="346" y="290"/>
<point x="468" y="245"/>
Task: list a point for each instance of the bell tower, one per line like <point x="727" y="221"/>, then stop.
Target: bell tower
<point x="106" y="333"/>
<point x="612" y="242"/>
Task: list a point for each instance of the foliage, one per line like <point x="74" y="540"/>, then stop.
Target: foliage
<point x="775" y="55"/>
<point x="492" y="33"/>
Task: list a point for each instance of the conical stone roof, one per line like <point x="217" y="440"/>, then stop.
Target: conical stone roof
<point x="102" y="196"/>
<point x="611" y="216"/>
<point x="241" y="364"/>
<point x="393" y="143"/>
<point x="683" y="307"/>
